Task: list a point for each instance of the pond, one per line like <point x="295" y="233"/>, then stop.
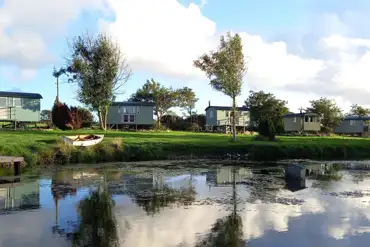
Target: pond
<point x="176" y="207"/>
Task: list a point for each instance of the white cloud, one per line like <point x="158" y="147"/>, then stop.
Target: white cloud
<point x="26" y="31"/>
<point x="164" y="36"/>
<point x="167" y="36"/>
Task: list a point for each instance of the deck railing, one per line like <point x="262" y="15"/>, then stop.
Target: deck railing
<point x="239" y="121"/>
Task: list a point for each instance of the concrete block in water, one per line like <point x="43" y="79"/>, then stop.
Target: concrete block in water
<point x="295" y="171"/>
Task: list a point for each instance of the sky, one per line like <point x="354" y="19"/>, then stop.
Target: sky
<point x="298" y="50"/>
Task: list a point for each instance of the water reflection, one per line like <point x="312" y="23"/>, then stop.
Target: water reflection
<point x="227" y="231"/>
<point x="225" y="206"/>
<point x="97" y="226"/>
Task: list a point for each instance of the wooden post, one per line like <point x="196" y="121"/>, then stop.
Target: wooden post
<point x="17" y="168"/>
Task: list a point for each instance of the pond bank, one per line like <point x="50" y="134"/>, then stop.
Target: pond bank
<point x="112" y="152"/>
<point x="45" y="148"/>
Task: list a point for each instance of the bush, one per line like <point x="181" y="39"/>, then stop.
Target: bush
<point x="193" y="127"/>
<point x="67" y="118"/>
<point x="61" y="115"/>
<point x="86" y="117"/>
<point x="267" y="129"/>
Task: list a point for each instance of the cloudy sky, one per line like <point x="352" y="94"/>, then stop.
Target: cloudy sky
<point x="299" y="50"/>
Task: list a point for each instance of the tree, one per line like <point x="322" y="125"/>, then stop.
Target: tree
<point x="359" y="111"/>
<point x="266" y="105"/>
<point x="163" y="98"/>
<point x="97" y="65"/>
<point x="187" y="100"/>
<point x="45" y="115"/>
<point x="266" y="128"/>
<point x="87" y="118"/>
<point x="225" y="68"/>
<point x="330" y="114"/>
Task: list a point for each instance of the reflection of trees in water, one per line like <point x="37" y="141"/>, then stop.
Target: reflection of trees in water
<point x="326" y="177"/>
<point x="97" y="225"/>
<point x="60" y="189"/>
<point x="155" y="200"/>
<point x="226" y="231"/>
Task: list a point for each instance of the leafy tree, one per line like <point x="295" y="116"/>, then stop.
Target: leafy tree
<point x="163" y="98"/>
<point x="329" y="112"/>
<point x="97" y="65"/>
<point x="45" y="115"/>
<point x="266" y="105"/>
<point x="225" y="68"/>
<point x="359" y="111"/>
<point x="187" y="100"/>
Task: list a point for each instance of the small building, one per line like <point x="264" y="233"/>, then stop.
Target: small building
<point x="220" y="117"/>
<point x="354" y="125"/>
<point x="302" y="122"/>
<point x="20" y="107"/>
<point x="131" y="114"/>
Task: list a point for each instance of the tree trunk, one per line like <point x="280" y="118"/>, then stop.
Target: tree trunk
<point x="101" y="120"/>
<point x="233" y="118"/>
<point x="105" y="117"/>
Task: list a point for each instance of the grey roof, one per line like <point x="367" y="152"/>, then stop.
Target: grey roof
<point x="299" y="114"/>
<point x="132" y="103"/>
<point x="227" y="108"/>
<point x="355" y="117"/>
<point x="20" y="95"/>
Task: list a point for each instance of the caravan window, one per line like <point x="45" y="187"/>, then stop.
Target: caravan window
<point x="3" y="102"/>
<point x="17" y="102"/>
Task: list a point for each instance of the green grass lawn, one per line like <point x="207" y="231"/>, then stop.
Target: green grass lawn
<point x="34" y="145"/>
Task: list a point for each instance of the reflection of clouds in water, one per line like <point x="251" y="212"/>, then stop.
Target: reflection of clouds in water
<point x="343" y="216"/>
<point x="259" y="217"/>
<point x="29" y="228"/>
<point x="322" y="219"/>
<point x="171" y="227"/>
<point x="339" y="216"/>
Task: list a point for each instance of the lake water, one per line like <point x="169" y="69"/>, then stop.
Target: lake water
<point x="178" y="207"/>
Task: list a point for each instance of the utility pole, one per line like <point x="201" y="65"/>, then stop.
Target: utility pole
<point x="302" y="120"/>
<point x="57" y="82"/>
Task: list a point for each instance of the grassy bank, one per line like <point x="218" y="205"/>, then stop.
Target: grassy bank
<point x="45" y="148"/>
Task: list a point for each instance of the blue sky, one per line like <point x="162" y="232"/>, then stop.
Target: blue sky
<point x="299" y="50"/>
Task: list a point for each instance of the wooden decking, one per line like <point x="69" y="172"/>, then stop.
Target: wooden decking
<point x="10" y="159"/>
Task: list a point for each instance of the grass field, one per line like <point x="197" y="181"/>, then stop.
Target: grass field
<point x="42" y="147"/>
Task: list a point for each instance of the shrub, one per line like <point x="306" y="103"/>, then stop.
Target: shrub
<point x="86" y="117"/>
<point x="67" y="118"/>
<point x="266" y="128"/>
<point x="61" y="115"/>
<point x="193" y="127"/>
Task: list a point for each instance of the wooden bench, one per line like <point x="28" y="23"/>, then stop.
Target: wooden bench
<point x="15" y="161"/>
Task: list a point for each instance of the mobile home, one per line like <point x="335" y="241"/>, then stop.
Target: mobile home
<point x="220" y="117"/>
<point x="20" y="107"/>
<point x="134" y="114"/>
<point x="354" y="125"/>
<point x="298" y="122"/>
